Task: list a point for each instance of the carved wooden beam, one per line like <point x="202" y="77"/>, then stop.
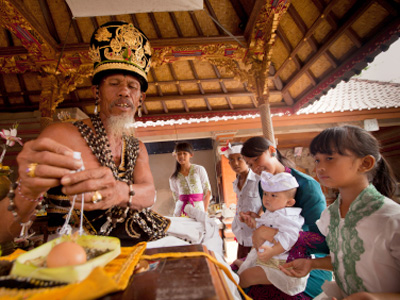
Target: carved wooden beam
<point x="42" y="55"/>
<point x="17" y="20"/>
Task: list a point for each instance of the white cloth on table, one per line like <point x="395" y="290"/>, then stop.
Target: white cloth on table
<point x="196" y="182"/>
<point x="248" y="199"/>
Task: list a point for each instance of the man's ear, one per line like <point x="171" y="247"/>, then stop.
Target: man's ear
<point x="94" y="90"/>
<point x="367" y="163"/>
<point x="142" y="98"/>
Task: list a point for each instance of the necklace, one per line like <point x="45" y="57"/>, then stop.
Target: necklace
<point x="100" y="146"/>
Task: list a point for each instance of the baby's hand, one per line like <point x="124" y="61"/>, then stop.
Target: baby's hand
<point x="243" y="216"/>
<point x="265" y="253"/>
<point x="249" y="220"/>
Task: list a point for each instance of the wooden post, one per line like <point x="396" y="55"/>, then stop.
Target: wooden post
<point x="263" y="106"/>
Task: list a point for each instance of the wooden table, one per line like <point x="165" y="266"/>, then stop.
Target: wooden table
<point x="181" y="278"/>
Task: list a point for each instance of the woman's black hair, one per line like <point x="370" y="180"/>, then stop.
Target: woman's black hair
<point x="179" y="148"/>
<point x="257" y="145"/>
<point x="361" y="143"/>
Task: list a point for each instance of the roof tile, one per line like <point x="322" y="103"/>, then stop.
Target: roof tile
<point x="356" y="94"/>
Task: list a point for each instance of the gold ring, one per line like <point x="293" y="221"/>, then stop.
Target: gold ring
<point x="30" y="171"/>
<point x="97" y="197"/>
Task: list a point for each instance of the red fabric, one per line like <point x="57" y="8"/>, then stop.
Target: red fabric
<point x="192" y="198"/>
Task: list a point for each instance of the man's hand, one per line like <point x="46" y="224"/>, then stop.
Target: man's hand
<point x="48" y="161"/>
<point x="87" y="182"/>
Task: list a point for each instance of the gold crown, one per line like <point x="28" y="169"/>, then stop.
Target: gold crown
<point x="120" y="47"/>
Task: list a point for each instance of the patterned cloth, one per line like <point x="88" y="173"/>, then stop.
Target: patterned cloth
<point x="112" y="277"/>
<point x="196" y="182"/>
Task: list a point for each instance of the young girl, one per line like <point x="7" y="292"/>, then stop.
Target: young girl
<point x="189" y="183"/>
<point x="248" y="199"/>
<point x="362" y="227"/>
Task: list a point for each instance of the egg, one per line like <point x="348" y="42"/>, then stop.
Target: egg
<point x="66" y="254"/>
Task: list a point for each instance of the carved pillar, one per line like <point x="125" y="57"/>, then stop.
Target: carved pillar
<point x="266" y="121"/>
<point x="50" y="93"/>
<point x="261" y="53"/>
<point x="54" y="86"/>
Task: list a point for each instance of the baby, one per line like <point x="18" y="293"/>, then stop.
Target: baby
<point x="262" y="266"/>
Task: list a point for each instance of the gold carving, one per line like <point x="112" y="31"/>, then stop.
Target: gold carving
<point x="15" y="22"/>
<point x="103" y="35"/>
<point x="55" y="85"/>
<point x="161" y="56"/>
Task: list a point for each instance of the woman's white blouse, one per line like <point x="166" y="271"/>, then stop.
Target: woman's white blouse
<point x="196" y="182"/>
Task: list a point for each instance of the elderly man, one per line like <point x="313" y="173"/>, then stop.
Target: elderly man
<point x="114" y="175"/>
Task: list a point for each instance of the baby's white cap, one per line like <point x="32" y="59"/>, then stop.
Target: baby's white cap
<point x="278" y="183"/>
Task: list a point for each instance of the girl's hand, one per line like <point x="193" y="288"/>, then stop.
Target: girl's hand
<point x="297" y="268"/>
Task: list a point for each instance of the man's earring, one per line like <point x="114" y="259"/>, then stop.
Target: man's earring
<point x="140" y="107"/>
<point x="96" y="101"/>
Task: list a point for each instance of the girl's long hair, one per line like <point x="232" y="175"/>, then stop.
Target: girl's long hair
<point x="179" y="148"/>
<point x="361" y="143"/>
<point x="257" y="145"/>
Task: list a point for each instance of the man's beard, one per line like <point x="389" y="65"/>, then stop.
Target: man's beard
<point x="118" y="126"/>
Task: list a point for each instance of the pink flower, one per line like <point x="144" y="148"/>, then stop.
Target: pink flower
<point x="10" y="136"/>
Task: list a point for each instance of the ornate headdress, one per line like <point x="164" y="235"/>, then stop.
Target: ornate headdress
<point x="119" y="47"/>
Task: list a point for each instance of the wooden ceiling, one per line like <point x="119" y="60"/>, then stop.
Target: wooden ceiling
<point x="203" y="61"/>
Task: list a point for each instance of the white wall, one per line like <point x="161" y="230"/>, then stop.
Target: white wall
<point x="163" y="165"/>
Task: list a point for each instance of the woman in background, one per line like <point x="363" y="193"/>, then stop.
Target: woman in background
<point x="189" y="183"/>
